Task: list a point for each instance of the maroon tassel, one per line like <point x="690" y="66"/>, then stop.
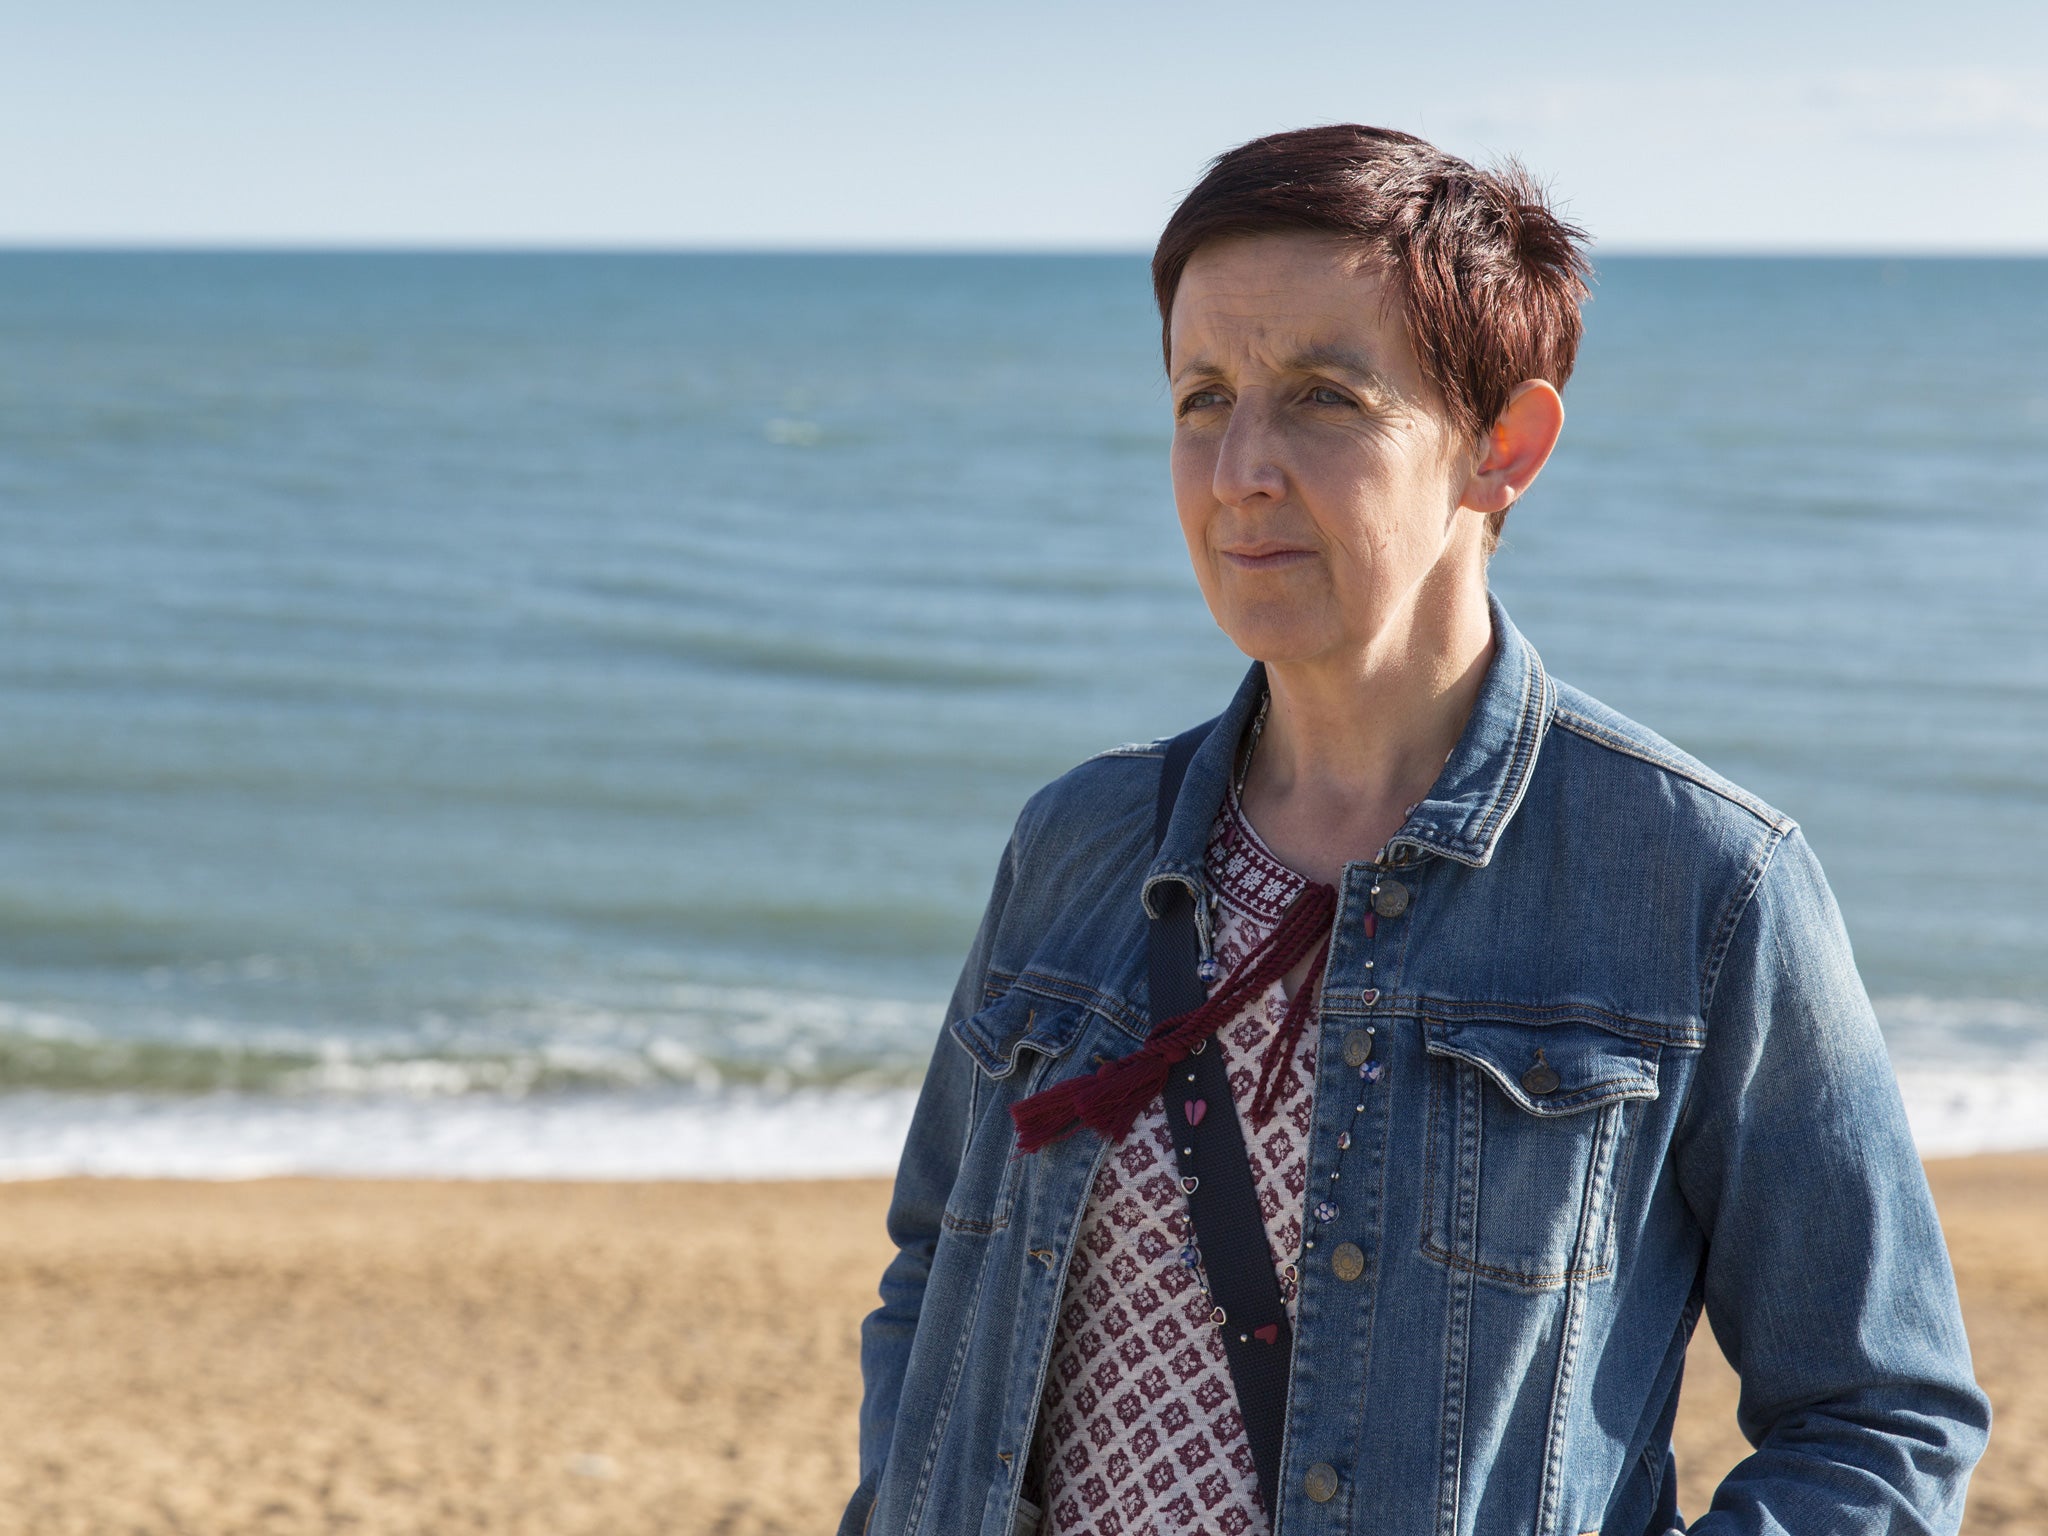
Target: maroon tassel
<point x="1109" y="1100"/>
<point x="1049" y="1115"/>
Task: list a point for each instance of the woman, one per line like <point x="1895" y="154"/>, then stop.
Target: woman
<point x="1516" y="1034"/>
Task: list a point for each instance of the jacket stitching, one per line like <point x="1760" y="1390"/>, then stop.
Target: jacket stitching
<point x="1731" y="919"/>
<point x="1130" y="749"/>
<point x="1033" y="1402"/>
<point x="1443" y="1076"/>
<point x="1508" y="791"/>
<point x="944" y="1410"/>
<point x="1551" y="1494"/>
<point x="1457" y="1379"/>
<point x="1006" y="1186"/>
<point x="1535" y="1279"/>
<point x="1061" y="989"/>
<point x="1127" y="1018"/>
<point x="1622" y="1172"/>
<point x="1642" y="1030"/>
<point x="1572" y="1098"/>
<point x="1550" y="1491"/>
<point x="1600" y="735"/>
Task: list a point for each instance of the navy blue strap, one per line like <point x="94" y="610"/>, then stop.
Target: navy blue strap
<point x="1223" y="1202"/>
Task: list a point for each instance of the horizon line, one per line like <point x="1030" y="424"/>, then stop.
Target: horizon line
<point x="936" y="250"/>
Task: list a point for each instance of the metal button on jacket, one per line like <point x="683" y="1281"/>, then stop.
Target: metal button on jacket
<point x="1391" y="899"/>
<point x="1347" y="1261"/>
<point x="1357" y="1047"/>
<point x="1321" y="1482"/>
<point x="1541" y="1078"/>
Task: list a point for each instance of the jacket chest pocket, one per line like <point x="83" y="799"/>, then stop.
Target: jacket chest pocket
<point x="1526" y="1122"/>
<point x="1016" y="1042"/>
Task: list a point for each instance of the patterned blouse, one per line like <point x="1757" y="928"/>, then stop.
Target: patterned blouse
<point x="1138" y="1428"/>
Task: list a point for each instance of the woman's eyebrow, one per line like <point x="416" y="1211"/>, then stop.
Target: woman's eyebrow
<point x="1200" y="369"/>
<point x="1318" y="359"/>
<point x="1326" y="359"/>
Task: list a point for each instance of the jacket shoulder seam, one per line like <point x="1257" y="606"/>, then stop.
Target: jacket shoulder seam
<point x="1129" y="749"/>
<point x="1602" y="736"/>
<point x="1738" y="905"/>
<point x="1049" y="798"/>
<point x="1737" y="908"/>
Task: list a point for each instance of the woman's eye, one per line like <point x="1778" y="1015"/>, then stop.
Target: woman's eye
<point x="1201" y="399"/>
<point x="1322" y="394"/>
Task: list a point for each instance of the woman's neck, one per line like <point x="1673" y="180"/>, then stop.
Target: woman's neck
<point x="1351" y="742"/>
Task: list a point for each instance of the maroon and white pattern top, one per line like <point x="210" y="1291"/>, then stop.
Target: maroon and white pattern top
<point x="1138" y="1427"/>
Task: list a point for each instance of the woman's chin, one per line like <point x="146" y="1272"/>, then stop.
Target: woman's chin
<point x="1278" y="643"/>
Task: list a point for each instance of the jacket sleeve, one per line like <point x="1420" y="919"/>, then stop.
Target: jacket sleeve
<point x="1826" y="1279"/>
<point x="924" y="1182"/>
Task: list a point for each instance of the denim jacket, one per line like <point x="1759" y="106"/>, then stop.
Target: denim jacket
<point x="1719" y="1128"/>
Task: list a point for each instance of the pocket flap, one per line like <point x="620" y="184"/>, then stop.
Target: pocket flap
<point x="1015" y="1022"/>
<point x="1550" y="1069"/>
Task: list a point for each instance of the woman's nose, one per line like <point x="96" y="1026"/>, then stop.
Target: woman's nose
<point x="1248" y="460"/>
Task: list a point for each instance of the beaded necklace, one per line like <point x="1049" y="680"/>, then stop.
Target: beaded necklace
<point x="1358" y="1053"/>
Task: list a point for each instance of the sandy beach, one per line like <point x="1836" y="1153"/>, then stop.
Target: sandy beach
<point x="290" y="1356"/>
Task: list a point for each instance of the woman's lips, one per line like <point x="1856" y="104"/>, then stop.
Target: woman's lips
<point x="1264" y="559"/>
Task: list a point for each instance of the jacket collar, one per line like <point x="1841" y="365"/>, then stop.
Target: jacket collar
<point x="1465" y="811"/>
<point x="1488" y="772"/>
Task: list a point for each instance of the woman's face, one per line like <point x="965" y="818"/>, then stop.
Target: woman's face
<point x="1317" y="478"/>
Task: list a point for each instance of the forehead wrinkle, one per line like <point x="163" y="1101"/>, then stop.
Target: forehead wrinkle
<point x="1309" y="357"/>
<point x="1279" y="345"/>
<point x="1239" y="318"/>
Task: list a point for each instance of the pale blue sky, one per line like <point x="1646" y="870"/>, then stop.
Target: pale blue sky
<point x="1745" y="125"/>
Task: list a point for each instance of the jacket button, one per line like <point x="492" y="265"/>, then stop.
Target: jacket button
<point x="1321" y="1482"/>
<point x="1541" y="1078"/>
<point x="1357" y="1047"/>
<point x="1391" y="899"/>
<point x="1347" y="1262"/>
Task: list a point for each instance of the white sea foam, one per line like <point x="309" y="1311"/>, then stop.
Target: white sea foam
<point x="733" y="1133"/>
<point x="1957" y="1110"/>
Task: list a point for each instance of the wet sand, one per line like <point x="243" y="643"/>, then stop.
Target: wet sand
<point x="291" y="1356"/>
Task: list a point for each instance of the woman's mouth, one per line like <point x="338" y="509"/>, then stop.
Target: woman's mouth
<point x="1265" y="557"/>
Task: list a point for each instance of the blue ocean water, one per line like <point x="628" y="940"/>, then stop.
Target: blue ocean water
<point x="489" y="677"/>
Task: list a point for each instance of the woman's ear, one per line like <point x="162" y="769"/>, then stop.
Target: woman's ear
<point x="1516" y="447"/>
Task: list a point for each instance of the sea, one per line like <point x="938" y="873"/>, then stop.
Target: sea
<point x="558" y="715"/>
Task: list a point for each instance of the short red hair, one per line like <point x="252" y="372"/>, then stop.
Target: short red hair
<point x="1490" y="278"/>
